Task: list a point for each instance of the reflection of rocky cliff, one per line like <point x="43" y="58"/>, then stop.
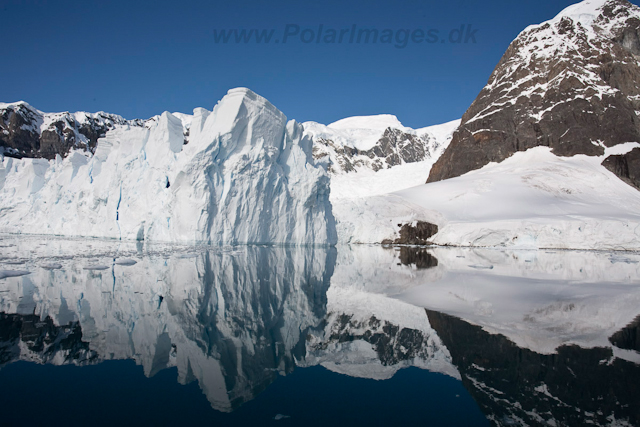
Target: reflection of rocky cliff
<point x="628" y="338"/>
<point x="368" y="334"/>
<point x="516" y="386"/>
<point x="27" y="337"/>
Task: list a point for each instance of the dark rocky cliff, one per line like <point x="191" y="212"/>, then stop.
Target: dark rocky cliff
<point x="27" y="132"/>
<point x="570" y="84"/>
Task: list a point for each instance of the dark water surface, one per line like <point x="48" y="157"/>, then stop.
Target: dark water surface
<point x="315" y="336"/>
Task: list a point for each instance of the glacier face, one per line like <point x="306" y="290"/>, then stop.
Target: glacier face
<point x="245" y="175"/>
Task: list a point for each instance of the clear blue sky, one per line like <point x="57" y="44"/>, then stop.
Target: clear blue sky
<point x="141" y="58"/>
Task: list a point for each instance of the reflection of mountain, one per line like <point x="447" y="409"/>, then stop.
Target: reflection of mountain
<point x="517" y="386"/>
<point x="367" y="334"/>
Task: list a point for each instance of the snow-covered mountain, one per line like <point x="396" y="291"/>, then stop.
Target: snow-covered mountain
<point x="239" y="173"/>
<point x="374" y="143"/>
<point x="544" y="155"/>
<point x="570" y="83"/>
<point x="28" y="132"/>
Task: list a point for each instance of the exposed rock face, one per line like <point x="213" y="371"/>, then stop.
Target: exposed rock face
<point x="625" y="166"/>
<point x="570" y="83"/>
<point x="375" y="143"/>
<point x="417" y="233"/>
<point x="516" y="386"/>
<point x="27" y="132"/>
<point x="393" y="148"/>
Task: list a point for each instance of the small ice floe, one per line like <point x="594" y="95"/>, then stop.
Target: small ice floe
<point x="96" y="267"/>
<point x="126" y="262"/>
<point x="280" y="417"/>
<point x="14" y="262"/>
<point x="13" y="273"/>
<point x="51" y="265"/>
<point x="482" y="267"/>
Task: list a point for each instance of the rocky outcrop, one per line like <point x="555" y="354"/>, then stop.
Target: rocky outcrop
<point x="625" y="166"/>
<point x="394" y="147"/>
<point x="415" y="233"/>
<point x="375" y="143"/>
<point x="28" y="132"/>
<point x="569" y="84"/>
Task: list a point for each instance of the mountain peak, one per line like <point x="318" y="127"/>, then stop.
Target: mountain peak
<point x="378" y="122"/>
<point x="602" y="13"/>
<point x="569" y="83"/>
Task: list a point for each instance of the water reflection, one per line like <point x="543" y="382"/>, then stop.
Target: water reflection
<point x="536" y="337"/>
<point x="516" y="386"/>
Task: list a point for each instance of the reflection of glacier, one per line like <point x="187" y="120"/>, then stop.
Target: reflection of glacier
<point x="231" y="318"/>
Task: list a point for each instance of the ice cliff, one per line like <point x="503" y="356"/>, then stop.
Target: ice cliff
<point x="244" y="175"/>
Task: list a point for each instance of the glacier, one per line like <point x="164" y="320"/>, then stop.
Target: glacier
<point x="244" y="175"/>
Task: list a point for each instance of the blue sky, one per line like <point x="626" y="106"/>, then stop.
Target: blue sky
<point x="138" y="59"/>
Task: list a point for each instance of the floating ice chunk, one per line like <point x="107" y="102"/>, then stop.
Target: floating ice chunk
<point x="13" y="273"/>
<point x="126" y="262"/>
<point x="482" y="267"/>
<point x="51" y="265"/>
<point x="280" y="417"/>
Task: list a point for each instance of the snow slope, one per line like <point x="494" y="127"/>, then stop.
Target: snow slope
<point x="364" y="131"/>
<point x="534" y="199"/>
<point x="246" y="175"/>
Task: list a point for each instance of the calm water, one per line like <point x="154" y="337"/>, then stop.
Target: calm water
<point x="111" y="333"/>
